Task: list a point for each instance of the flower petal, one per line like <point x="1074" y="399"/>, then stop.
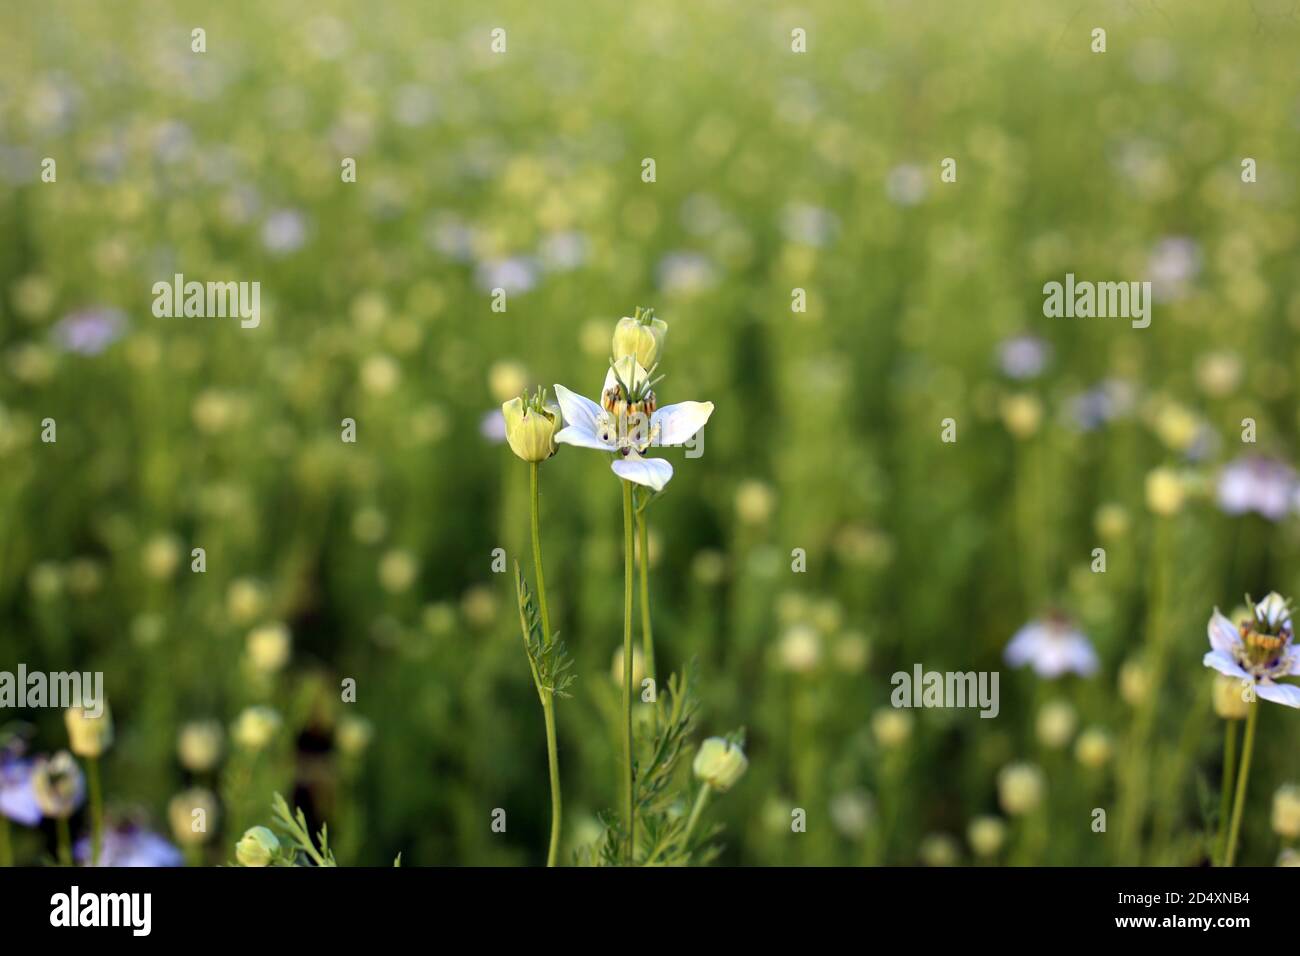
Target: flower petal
<point x="651" y="472"/>
<point x="580" y="413"/>
<point x="1288" y="694"/>
<point x="581" y="438"/>
<point x="1223" y="636"/>
<point x="1023" y="646"/>
<point x="678" y="423"/>
<point x="1224" y="664"/>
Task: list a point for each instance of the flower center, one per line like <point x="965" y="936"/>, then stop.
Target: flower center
<point x="1263" y="654"/>
<point x="627" y="424"/>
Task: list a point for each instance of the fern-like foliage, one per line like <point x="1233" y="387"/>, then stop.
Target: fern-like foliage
<point x="661" y="793"/>
<point x="293" y="824"/>
<point x="551" y="664"/>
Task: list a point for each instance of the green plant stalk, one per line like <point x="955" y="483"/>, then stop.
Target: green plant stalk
<point x="627" y="670"/>
<point x="547" y="697"/>
<point x="696" y="810"/>
<point x="1137" y="763"/>
<point x="1225" y="795"/>
<point x="96" y="810"/>
<point x="1247" y="749"/>
<point x="647" y="633"/>
<point x="65" y="841"/>
<point x="6" y="847"/>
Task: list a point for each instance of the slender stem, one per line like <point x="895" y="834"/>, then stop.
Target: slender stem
<point x="695" y="813"/>
<point x="647" y="633"/>
<point x="1225" y="797"/>
<point x="548" y="698"/>
<point x="1246" y="749"/>
<point x="553" y="758"/>
<point x="6" y="847"/>
<point x="627" y="670"/>
<point x="65" y="841"/>
<point x="96" y="810"/>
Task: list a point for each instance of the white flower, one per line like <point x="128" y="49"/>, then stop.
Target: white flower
<point x="1259" y="652"/>
<point x="1053" y="647"/>
<point x="626" y="423"/>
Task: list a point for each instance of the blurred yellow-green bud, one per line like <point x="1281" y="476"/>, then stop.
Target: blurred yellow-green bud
<point x="58" y="785"/>
<point x="199" y="745"/>
<point x="1111" y="521"/>
<point x="720" y="763"/>
<point x="254" y="727"/>
<point x="1286" y="811"/>
<point x="891" y="727"/>
<point x="1093" y="748"/>
<point x="89" y="736"/>
<point x="1165" y="491"/>
<point x="986" y="835"/>
<point x="938" y="849"/>
<point x="267" y="648"/>
<point x="641" y="336"/>
<point x="1055" y="724"/>
<point x="257" y="847"/>
<point x="193" y="816"/>
<point x="755" y="501"/>
<point x="1230" y="698"/>
<point x="531" y="426"/>
<point x="353" y="735"/>
<point x="800" y="649"/>
<point x="638" y="667"/>
<point x="1020" y="788"/>
<point x="1021" y="414"/>
<point x="1134" y="681"/>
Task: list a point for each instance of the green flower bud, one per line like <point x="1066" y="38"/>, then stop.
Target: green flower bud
<point x="720" y="763"/>
<point x="641" y="337"/>
<point x="531" y="426"/>
<point x="1230" y="701"/>
<point x="88" y="736"/>
<point x="257" y="847"/>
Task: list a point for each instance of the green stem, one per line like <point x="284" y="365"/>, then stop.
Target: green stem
<point x="627" y="669"/>
<point x="1246" y="749"/>
<point x="96" y="810"/>
<point x="65" y="842"/>
<point x="548" y="698"/>
<point x="647" y="634"/>
<point x="553" y="759"/>
<point x="1225" y="797"/>
<point x="6" y="847"/>
<point x="695" y="813"/>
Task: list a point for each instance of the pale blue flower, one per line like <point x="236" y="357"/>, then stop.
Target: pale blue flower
<point x="1260" y="652"/>
<point x="1053" y="647"/>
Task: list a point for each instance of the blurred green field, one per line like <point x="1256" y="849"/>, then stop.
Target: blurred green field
<point x="775" y="171"/>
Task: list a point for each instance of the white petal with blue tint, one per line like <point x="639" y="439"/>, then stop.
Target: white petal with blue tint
<point x="579" y="412"/>
<point x="1224" y="664"/>
<point x="651" y="472"/>
<point x="678" y="423"/>
<point x="575" y="435"/>
<point x="1287" y="694"/>
<point x="1223" y="636"/>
